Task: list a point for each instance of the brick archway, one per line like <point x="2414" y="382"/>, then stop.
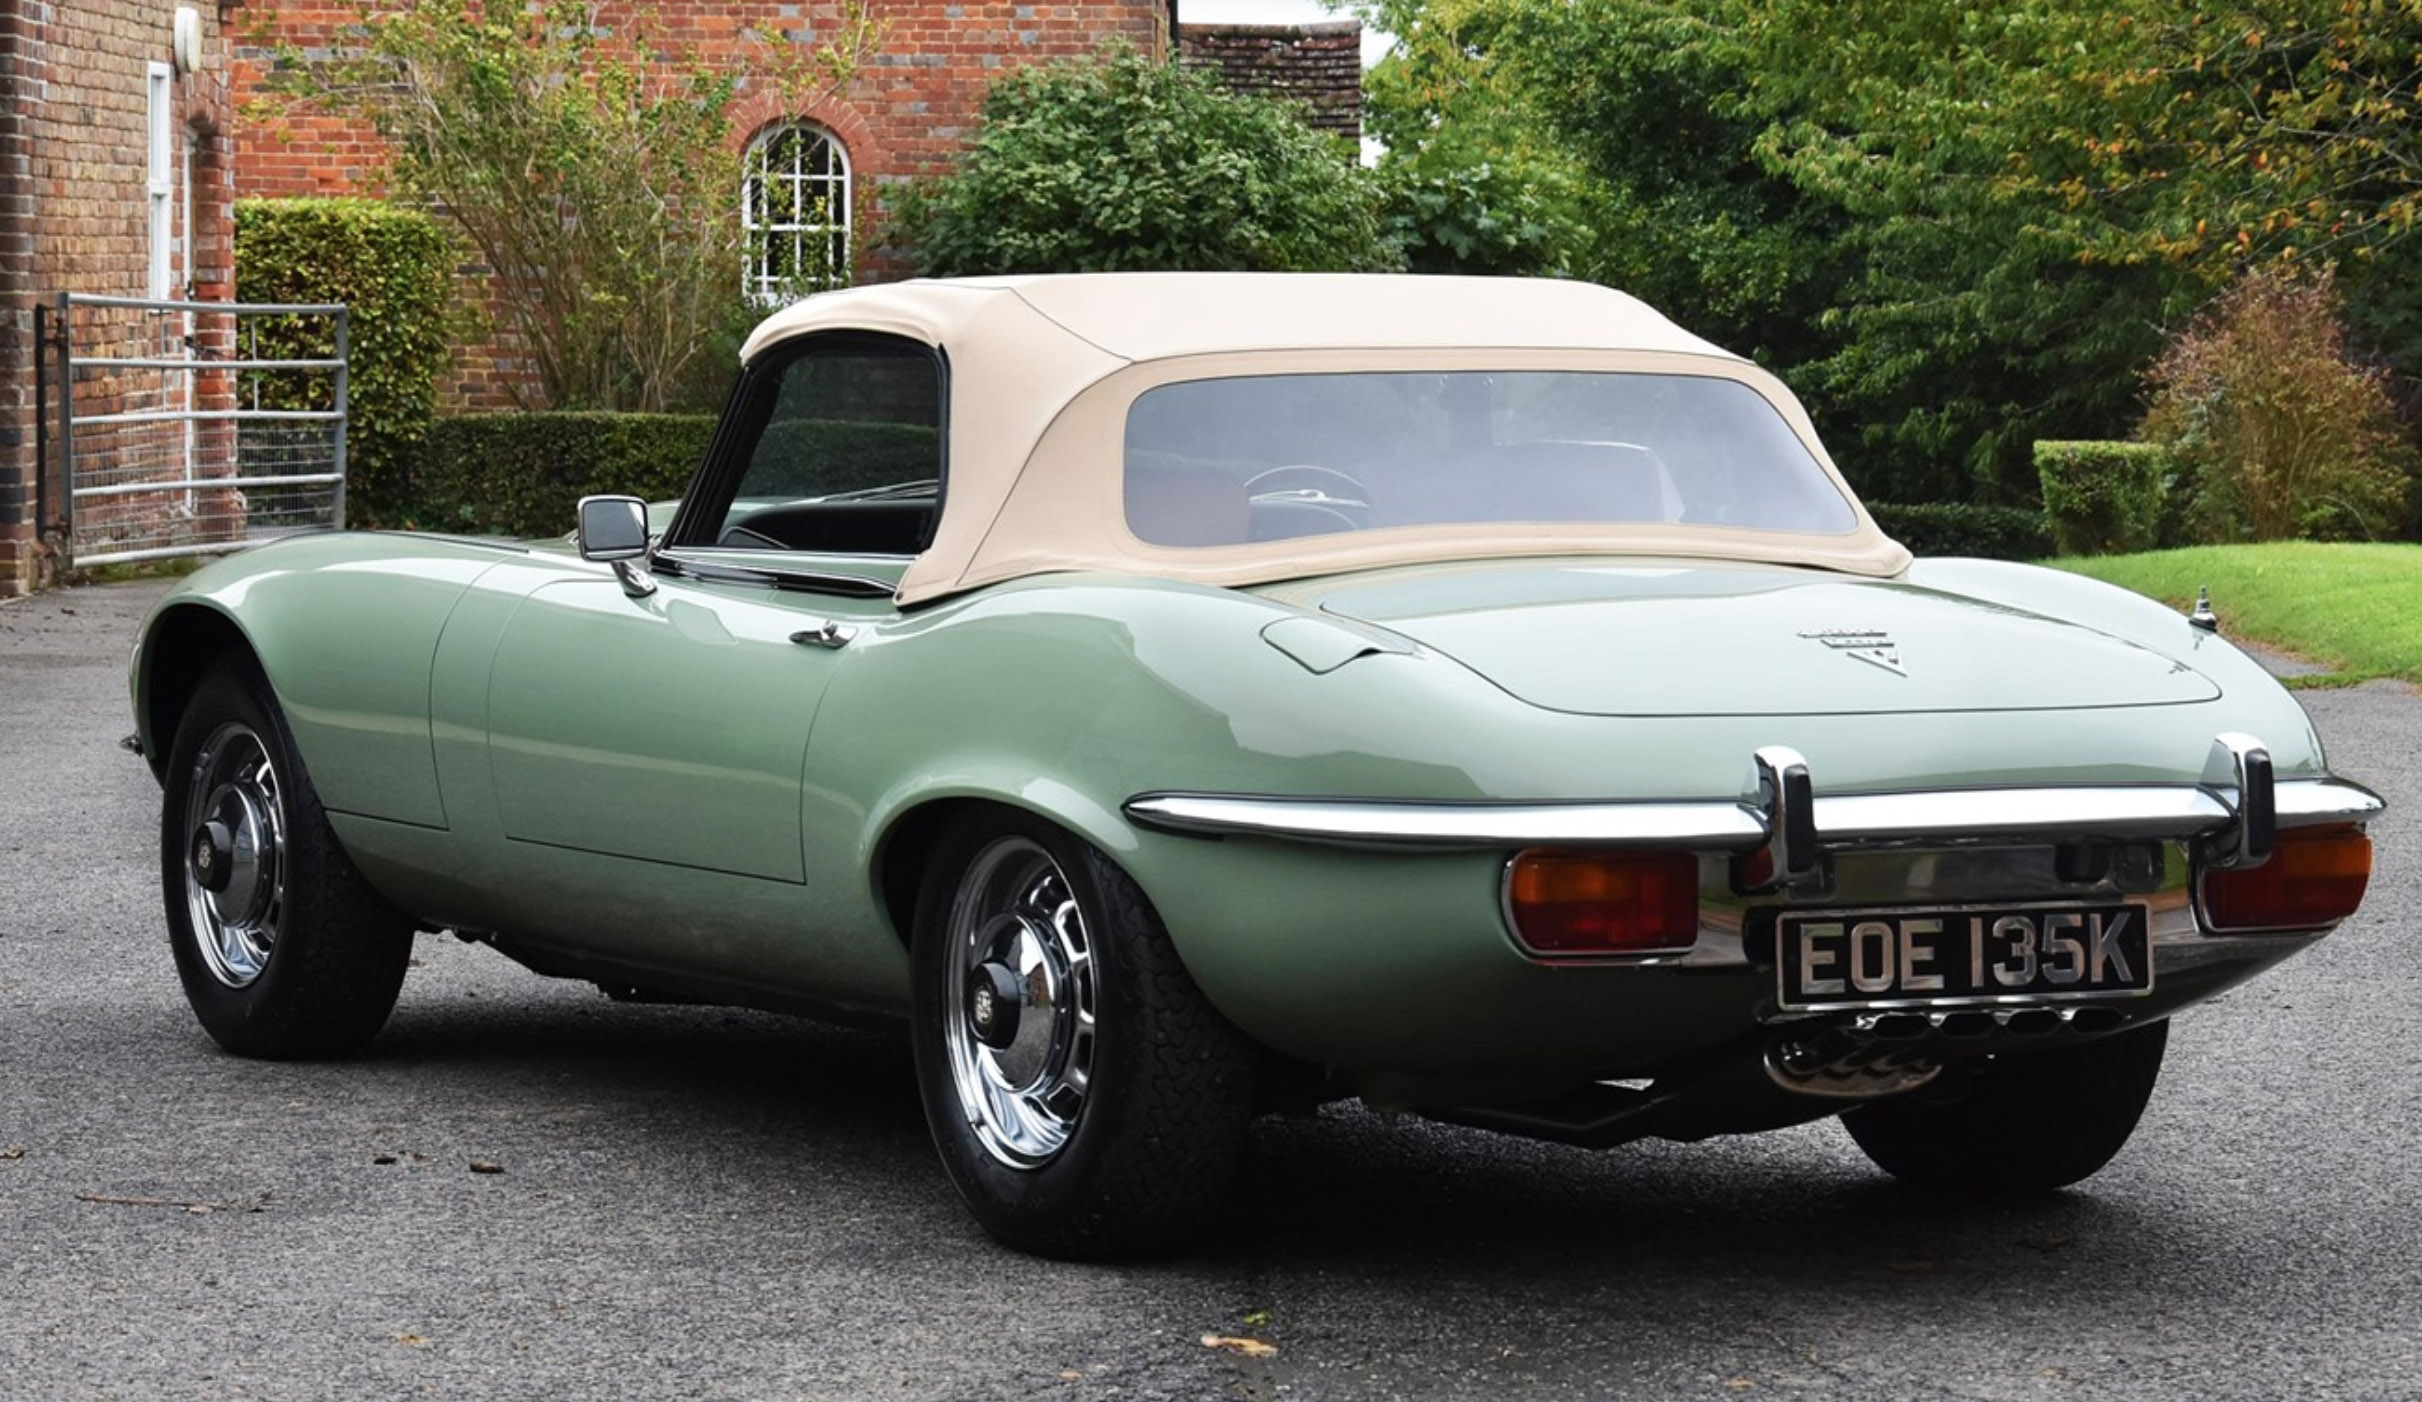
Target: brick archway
<point x="752" y="113"/>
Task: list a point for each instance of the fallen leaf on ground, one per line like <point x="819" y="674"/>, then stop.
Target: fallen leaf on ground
<point x="410" y="1339"/>
<point x="1737" y="1384"/>
<point x="1070" y="1375"/>
<point x="1250" y="1348"/>
<point x="13" y="1151"/>
<point x="483" y="1166"/>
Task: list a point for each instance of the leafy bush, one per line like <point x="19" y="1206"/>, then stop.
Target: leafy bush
<point x="1483" y="218"/>
<point x="394" y="269"/>
<point x="1128" y="163"/>
<point x="1961" y="528"/>
<point x="2281" y="434"/>
<point x="2103" y="498"/>
<point x="522" y="474"/>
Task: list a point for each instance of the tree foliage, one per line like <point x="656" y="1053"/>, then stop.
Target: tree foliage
<point x="597" y="184"/>
<point x="1956" y="228"/>
<point x="1127" y="163"/>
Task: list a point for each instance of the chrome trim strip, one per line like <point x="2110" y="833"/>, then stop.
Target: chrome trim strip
<point x="1717" y="826"/>
<point x="2113" y="812"/>
<point x="2118" y="812"/>
<point x="2310" y="803"/>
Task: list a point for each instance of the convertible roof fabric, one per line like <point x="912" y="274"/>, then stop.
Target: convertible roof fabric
<point x="1042" y="370"/>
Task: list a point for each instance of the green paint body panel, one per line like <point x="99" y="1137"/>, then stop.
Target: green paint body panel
<point x="511" y="743"/>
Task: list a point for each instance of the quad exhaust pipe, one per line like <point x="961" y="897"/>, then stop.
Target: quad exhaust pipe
<point x="1974" y="1024"/>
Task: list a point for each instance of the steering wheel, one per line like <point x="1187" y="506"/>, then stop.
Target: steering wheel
<point x="1304" y="499"/>
<point x="1319" y="486"/>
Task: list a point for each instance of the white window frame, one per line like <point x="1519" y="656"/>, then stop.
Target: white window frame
<point x="160" y="180"/>
<point x="787" y="207"/>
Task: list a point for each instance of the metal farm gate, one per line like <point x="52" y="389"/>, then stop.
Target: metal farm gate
<point x="186" y="428"/>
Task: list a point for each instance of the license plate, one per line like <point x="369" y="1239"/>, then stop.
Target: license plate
<point x="1929" y="956"/>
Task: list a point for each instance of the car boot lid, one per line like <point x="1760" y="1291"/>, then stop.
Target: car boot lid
<point x="1695" y="640"/>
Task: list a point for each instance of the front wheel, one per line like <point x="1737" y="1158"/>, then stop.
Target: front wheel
<point x="2017" y="1124"/>
<point x="1086" y="1100"/>
<point x="283" y="948"/>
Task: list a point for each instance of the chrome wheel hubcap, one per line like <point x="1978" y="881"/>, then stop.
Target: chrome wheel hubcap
<point x="235" y="854"/>
<point x="1019" y="1012"/>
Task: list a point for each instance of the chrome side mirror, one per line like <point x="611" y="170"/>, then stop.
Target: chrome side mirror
<point x="614" y="530"/>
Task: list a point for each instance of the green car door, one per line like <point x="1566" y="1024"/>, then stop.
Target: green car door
<point x="660" y="718"/>
<point x="670" y="728"/>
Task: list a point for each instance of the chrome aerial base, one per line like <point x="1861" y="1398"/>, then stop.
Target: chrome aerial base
<point x="235" y="855"/>
<point x="1020" y="1006"/>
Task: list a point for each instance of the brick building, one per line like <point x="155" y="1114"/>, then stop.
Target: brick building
<point x="1318" y="65"/>
<point x="115" y="164"/>
<point x="120" y="155"/>
<point x="816" y="173"/>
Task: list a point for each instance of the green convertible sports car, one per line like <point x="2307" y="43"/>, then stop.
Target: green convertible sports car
<point x="1183" y="696"/>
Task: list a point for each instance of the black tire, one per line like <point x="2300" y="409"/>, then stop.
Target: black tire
<point x="1155" y="1138"/>
<point x="2024" y="1123"/>
<point x="310" y="964"/>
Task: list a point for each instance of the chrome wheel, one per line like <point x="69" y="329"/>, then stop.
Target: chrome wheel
<point x="235" y="854"/>
<point x="1019" y="1004"/>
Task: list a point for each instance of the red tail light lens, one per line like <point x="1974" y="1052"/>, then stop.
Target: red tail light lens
<point x="2314" y="877"/>
<point x="1584" y="903"/>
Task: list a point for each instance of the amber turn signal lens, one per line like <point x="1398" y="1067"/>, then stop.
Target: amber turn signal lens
<point x="1582" y="903"/>
<point x="2313" y="878"/>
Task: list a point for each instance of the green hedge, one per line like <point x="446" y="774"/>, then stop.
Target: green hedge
<point x="522" y="474"/>
<point x="2103" y="498"/>
<point x="394" y="269"/>
<point x="1960" y="528"/>
<point x="839" y="455"/>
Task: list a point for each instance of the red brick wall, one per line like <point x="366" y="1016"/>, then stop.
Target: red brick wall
<point x="906" y="114"/>
<point x="73" y="209"/>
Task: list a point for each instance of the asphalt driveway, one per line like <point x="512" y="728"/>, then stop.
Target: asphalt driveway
<point x="527" y="1191"/>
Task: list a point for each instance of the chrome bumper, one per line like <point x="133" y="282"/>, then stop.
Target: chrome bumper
<point x="2230" y="815"/>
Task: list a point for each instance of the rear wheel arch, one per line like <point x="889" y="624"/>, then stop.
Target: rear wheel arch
<point x="911" y="837"/>
<point x="904" y="851"/>
<point x="184" y="642"/>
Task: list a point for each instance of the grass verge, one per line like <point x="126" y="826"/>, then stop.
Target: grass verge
<point x="2356" y="609"/>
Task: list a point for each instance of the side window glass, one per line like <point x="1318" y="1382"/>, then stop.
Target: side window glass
<point x="849" y="459"/>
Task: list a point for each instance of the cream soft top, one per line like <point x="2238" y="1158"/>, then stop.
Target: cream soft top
<point x="1042" y="370"/>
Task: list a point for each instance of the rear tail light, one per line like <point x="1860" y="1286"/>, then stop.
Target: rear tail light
<point x="2314" y="878"/>
<point x="1569" y="904"/>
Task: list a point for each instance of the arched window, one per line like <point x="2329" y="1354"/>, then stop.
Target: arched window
<point x="794" y="205"/>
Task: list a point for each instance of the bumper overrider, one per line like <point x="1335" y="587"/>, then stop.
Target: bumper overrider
<point x="2217" y="870"/>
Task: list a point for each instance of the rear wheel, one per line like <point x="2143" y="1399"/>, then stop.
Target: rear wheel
<point x="283" y="948"/>
<point x="1085" y="1098"/>
<point x="2016" y="1124"/>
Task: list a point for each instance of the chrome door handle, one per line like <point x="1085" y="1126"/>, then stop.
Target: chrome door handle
<point x="827" y="634"/>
